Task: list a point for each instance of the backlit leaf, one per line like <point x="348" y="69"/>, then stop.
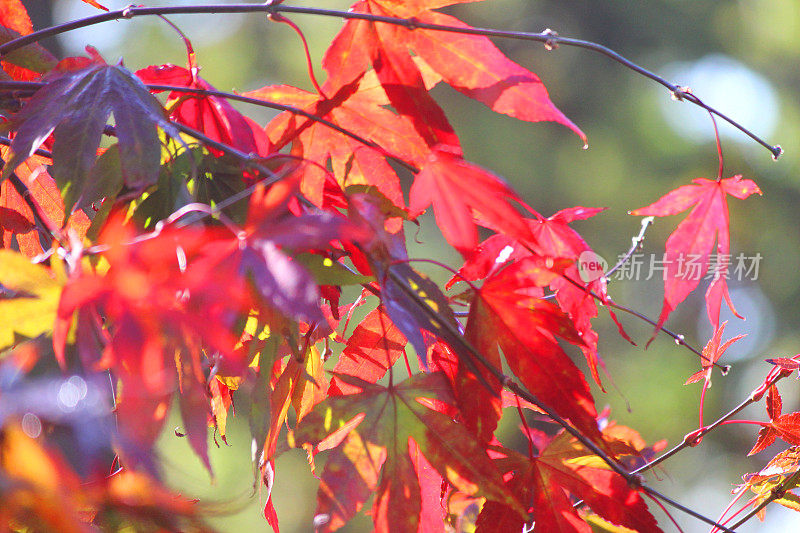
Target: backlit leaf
<point x="693" y="240"/>
<point x="33" y="310"/>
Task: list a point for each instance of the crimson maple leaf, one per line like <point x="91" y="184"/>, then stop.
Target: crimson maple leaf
<point x="160" y="311"/>
<point x="28" y="62"/>
<point x="212" y="115"/>
<point x="358" y="108"/>
<point x="461" y="192"/>
<point x="550" y="237"/>
<point x="712" y="351"/>
<point x="787" y="426"/>
<point x="693" y="241"/>
<point x="469" y="63"/>
<point x="371" y="350"/>
<point x="508" y="312"/>
<point x="543" y="480"/>
<point x="17" y="221"/>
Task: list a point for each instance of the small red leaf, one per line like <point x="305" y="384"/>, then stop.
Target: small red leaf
<point x="785" y="363"/>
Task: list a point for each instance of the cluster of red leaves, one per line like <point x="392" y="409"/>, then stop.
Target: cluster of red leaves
<point x="218" y="313"/>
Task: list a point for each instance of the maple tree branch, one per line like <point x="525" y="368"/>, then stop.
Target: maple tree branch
<point x="550" y="39"/>
<point x="248" y="160"/>
<point x="693" y="438"/>
<point x="691" y="512"/>
<point x="636" y="243"/>
<point x="5" y="141"/>
<point x="39" y="217"/>
<point x="680" y="340"/>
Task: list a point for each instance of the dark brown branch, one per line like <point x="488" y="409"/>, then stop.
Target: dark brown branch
<point x="549" y="38"/>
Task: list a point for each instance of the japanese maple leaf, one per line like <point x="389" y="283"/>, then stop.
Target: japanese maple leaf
<point x="479" y="400"/>
<point x="508" y="312"/>
<point x="543" y="480"/>
<point x="694" y="238"/>
<point x="469" y="63"/>
<point x="75" y="106"/>
<point x="780" y="475"/>
<point x="712" y="351"/>
<point x="160" y="306"/>
<point x="264" y="256"/>
<point x="550" y="237"/>
<point x="377" y="453"/>
<point x="461" y="192"/>
<point x="361" y="44"/>
<point x="212" y="115"/>
<point x="371" y="350"/>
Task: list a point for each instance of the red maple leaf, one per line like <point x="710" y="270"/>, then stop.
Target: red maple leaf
<point x="469" y="63"/>
<point x="386" y="428"/>
<point x="787" y="426"/>
<point x="551" y="237"/>
<point x="508" y="312"/>
<point x="161" y="313"/>
<point x="712" y="351"/>
<point x="30" y="61"/>
<point x="371" y="350"/>
<point x="212" y="115"/>
<point x="543" y="480"/>
<point x="358" y="108"/>
<point x="693" y="241"/>
<point x="17" y="221"/>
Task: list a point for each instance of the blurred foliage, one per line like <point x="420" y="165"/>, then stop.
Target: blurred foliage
<point x="633" y="158"/>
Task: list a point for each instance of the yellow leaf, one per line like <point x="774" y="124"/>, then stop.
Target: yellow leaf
<point x="33" y="311"/>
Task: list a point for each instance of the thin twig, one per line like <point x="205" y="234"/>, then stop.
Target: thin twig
<point x="636" y="242"/>
<point x="549" y="38"/>
<point x="693" y="438"/>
